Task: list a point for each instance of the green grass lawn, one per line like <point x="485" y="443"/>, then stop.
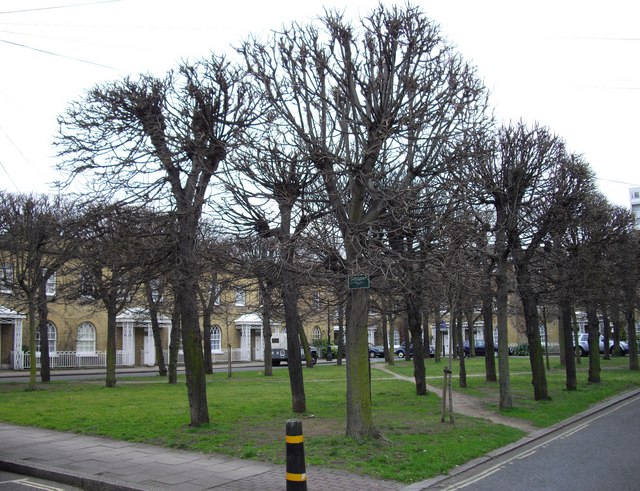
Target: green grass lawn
<point x="248" y="414"/>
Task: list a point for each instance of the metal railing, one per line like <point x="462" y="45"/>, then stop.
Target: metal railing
<point x="73" y="359"/>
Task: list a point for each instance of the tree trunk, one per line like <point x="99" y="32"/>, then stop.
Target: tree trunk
<point x="174" y="347"/>
<point x="43" y="326"/>
<point x="414" y="308"/>
<point x="341" y="330"/>
<point x="606" y="332"/>
<point x="633" y="342"/>
<point x="155" y="329"/>
<point x="359" y="410"/>
<point x="502" y="285"/>
<point x="594" y="343"/>
<point x="616" y="329"/>
<point x="487" y="318"/>
<point x="470" y="330"/>
<point x="293" y="325"/>
<point x="111" y="343"/>
<point x="266" y="327"/>
<point x="32" y="342"/>
<point x="569" y="352"/>
<point x="532" y="324"/>
<point x="406" y="334"/>
<point x="186" y="303"/>
<point x="574" y="323"/>
<point x="388" y="350"/>
<point x="304" y="344"/>
<point x="460" y="338"/>
<point x="206" y="341"/>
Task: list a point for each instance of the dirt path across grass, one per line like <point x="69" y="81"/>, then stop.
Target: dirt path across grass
<point x="467" y="405"/>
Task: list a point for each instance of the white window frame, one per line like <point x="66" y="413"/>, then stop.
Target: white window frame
<point x="316" y="334"/>
<point x="216" y="339"/>
<point x="6" y="279"/>
<point x="86" y="338"/>
<point x="241" y="297"/>
<point x="216" y="292"/>
<point x="52" y="335"/>
<point x="50" y="287"/>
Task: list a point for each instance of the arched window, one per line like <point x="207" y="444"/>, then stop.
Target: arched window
<point x="315" y="335"/>
<point x="216" y="339"/>
<point x="52" y="334"/>
<point x="396" y="337"/>
<point x="86" y="340"/>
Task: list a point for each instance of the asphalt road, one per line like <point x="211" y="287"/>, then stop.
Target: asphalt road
<point x="597" y="453"/>
<point x="16" y="482"/>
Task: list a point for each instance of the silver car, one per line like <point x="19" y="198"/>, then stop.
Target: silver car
<point x="583" y="343"/>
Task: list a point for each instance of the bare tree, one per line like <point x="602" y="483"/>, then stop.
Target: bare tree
<point x="37" y="238"/>
<point x="276" y="196"/>
<point x="162" y="140"/>
<point x="109" y="261"/>
<point x="373" y="108"/>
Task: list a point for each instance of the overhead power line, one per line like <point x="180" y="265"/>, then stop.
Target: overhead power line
<point x="57" y="54"/>
<point x="84" y="4"/>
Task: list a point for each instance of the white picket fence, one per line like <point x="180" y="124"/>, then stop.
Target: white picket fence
<point x="98" y="359"/>
<point x="73" y="359"/>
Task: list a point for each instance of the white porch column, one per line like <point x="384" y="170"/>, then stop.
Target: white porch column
<point x="149" y="347"/>
<point x="18" y="360"/>
<point x="128" y="344"/>
<point x="245" y="343"/>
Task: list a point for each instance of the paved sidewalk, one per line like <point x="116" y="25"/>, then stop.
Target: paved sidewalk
<point x="102" y="464"/>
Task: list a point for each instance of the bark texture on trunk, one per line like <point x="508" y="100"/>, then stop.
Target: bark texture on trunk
<point x="594" y="343"/>
<point x="633" y="341"/>
<point x="359" y="410"/>
<point x="43" y="327"/>
<point x="502" y="285"/>
<point x="532" y="323"/>
<point x="293" y="325"/>
<point x="111" y="344"/>
<point x="567" y="335"/>
<point x="414" y="309"/>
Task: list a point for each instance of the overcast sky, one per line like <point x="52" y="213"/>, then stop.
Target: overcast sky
<point x="570" y="65"/>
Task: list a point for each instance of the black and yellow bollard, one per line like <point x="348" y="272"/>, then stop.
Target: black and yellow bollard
<point x="296" y="472"/>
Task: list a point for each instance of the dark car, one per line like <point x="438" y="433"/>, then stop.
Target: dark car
<point x="400" y="351"/>
<point x="376" y="351"/>
<point x="480" y="348"/>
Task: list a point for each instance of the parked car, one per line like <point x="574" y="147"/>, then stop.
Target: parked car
<point x="376" y="351"/>
<point x="401" y="352"/>
<point x="480" y="348"/>
<point x="280" y="353"/>
<point x="583" y="343"/>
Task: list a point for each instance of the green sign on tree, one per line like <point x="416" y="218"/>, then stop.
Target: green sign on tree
<point x="358" y="281"/>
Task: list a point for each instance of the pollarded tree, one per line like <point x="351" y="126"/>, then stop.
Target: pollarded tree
<point x="275" y="195"/>
<point x="161" y="141"/>
<point x="534" y="185"/>
<point x="110" y="260"/>
<point x="38" y="236"/>
<point x="373" y="108"/>
<point x="599" y="230"/>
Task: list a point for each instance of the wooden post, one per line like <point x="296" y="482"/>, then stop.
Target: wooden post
<point x="296" y="470"/>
